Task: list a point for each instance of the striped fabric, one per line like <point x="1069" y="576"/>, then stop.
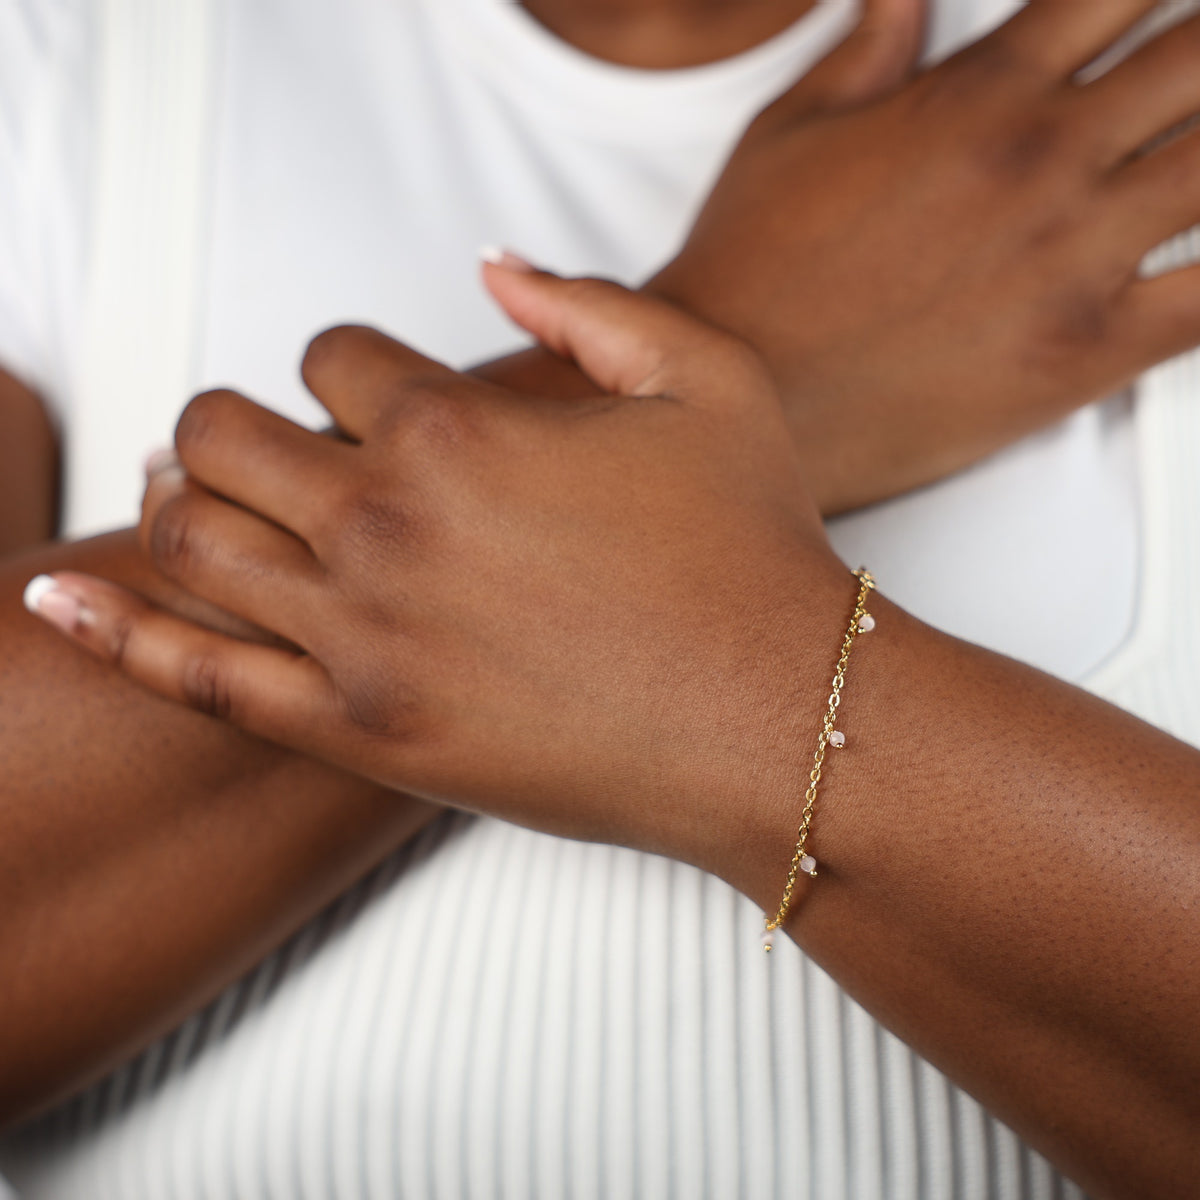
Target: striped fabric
<point x="608" y="1028"/>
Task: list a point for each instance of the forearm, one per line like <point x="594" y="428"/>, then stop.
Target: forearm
<point x="28" y="468"/>
<point x="150" y="855"/>
<point x="1010" y="880"/>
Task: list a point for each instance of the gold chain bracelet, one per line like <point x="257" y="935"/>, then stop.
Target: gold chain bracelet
<point x="860" y="622"/>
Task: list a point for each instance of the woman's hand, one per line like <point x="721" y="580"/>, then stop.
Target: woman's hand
<point x="617" y="618"/>
<point x="592" y="617"/>
<point x="936" y="265"/>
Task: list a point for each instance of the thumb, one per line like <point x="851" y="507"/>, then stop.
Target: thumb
<point x="626" y="342"/>
<point x="880" y="53"/>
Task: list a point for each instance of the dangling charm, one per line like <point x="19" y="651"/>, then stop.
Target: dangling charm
<point x="829" y="738"/>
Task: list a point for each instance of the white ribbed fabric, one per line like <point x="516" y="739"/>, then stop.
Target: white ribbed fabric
<point x="629" y="1040"/>
<point x="494" y="1013"/>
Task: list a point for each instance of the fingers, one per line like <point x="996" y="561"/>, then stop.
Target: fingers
<point x="260" y="459"/>
<point x="1164" y="315"/>
<point x="1064" y="36"/>
<point x="878" y="55"/>
<point x="1152" y="91"/>
<point x="270" y="692"/>
<point x="1157" y="196"/>
<point x="362" y="376"/>
<point x="230" y="557"/>
<point x="630" y="343"/>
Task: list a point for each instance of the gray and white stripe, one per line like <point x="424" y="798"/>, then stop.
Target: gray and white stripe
<point x="496" y="1013"/>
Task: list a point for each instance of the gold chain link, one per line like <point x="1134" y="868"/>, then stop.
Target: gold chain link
<point x="866" y="584"/>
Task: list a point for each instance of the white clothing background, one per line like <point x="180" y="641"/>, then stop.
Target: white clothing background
<point x="365" y="150"/>
<point x="603" y="1025"/>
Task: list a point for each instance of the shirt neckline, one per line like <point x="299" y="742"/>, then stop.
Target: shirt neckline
<point x="511" y="47"/>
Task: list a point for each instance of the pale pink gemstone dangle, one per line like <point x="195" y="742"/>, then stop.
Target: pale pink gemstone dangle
<point x="768" y="941"/>
<point x="866" y="623"/>
<point x="808" y="865"/>
<point x="837" y="739"/>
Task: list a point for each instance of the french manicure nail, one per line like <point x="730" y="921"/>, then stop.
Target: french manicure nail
<point x="36" y="588"/>
<point x="45" y="598"/>
<point x="159" y="460"/>
<point x="506" y="260"/>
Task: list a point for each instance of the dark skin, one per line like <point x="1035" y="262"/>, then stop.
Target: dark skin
<point x="205" y="765"/>
<point x="158" y="856"/>
<point x="196" y="803"/>
<point x="29" y="475"/>
<point x="1034" y="932"/>
<point x="667" y="34"/>
<point x="983" y="224"/>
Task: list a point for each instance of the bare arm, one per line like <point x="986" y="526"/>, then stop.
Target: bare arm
<point x="179" y="790"/>
<point x="1010" y="880"/>
<point x="1009" y="868"/>
<point x="28" y="469"/>
<point x="149" y="856"/>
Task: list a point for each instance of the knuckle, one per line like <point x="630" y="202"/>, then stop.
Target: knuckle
<point x="734" y="362"/>
<point x="120" y="636"/>
<point x="376" y="705"/>
<point x="1079" y="320"/>
<point x="1023" y="150"/>
<point x="330" y="348"/>
<point x="434" y="422"/>
<point x="206" y="685"/>
<point x="203" y="418"/>
<point x="739" y="356"/>
<point x="973" y="80"/>
<point x="984" y="64"/>
<point x="380" y="527"/>
<point x="424" y="416"/>
<point x="174" y="536"/>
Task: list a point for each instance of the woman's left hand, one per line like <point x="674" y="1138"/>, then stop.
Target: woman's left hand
<point x="592" y="617"/>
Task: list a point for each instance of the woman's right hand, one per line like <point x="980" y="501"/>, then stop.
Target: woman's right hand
<point x="935" y="264"/>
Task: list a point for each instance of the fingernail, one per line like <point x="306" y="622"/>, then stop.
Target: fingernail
<point x="36" y="588"/>
<point x="45" y="598"/>
<point x="160" y="460"/>
<point x="506" y="260"/>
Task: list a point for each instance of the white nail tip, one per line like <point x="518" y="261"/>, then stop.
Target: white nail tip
<point x="492" y="254"/>
<point x="37" y="589"/>
<point x="161" y="460"/>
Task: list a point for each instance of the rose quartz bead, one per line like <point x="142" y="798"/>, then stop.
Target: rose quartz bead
<point x="866" y="623"/>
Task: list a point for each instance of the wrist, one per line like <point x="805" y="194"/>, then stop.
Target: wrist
<point x="848" y="834"/>
<point x="750" y="777"/>
<point x="699" y="289"/>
